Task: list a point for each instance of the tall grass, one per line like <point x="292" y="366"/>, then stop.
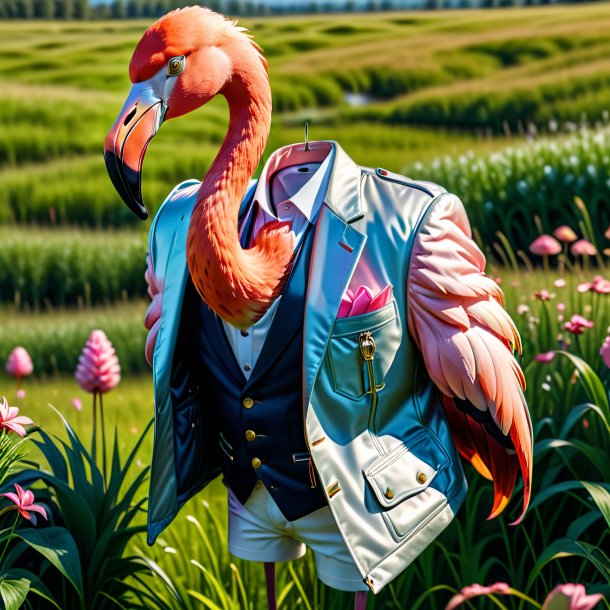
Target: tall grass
<point x="55" y="340"/>
<point x="48" y="268"/>
<point x="63" y="85"/>
<point x="506" y="191"/>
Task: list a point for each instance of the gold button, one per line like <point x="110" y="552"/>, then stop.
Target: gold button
<point x="256" y="463"/>
<point x="248" y="403"/>
<point x="250" y="435"/>
<point x="389" y="493"/>
<point x="421" y="477"/>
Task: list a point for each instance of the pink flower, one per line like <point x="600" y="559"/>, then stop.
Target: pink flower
<point x="605" y="351"/>
<point x="545" y="357"/>
<point x="559" y="283"/>
<point x="21" y="393"/>
<point x="582" y="247"/>
<point x="570" y="597"/>
<point x="475" y="591"/>
<point x="565" y="233"/>
<point x="545" y="245"/>
<point x="561" y="306"/>
<point x="544" y="295"/>
<point x="599" y="285"/>
<point x="24" y="501"/>
<point x="98" y="368"/>
<point x="10" y="420"/>
<point x="522" y="309"/>
<point x="19" y="364"/>
<point x="77" y="403"/>
<point x="607" y="233"/>
<point x="577" y="324"/>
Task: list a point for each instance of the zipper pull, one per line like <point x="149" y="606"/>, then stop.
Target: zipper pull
<point x="367" y="349"/>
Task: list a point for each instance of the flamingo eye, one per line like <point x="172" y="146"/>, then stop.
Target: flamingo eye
<point x="176" y="65"/>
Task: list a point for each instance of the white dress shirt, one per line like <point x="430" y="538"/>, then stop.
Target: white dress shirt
<point x="299" y="204"/>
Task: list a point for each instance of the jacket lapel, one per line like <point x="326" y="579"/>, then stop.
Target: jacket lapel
<point x="336" y="252"/>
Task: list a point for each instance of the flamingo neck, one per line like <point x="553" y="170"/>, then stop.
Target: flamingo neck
<point x="239" y="285"/>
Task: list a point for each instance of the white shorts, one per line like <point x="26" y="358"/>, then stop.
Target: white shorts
<point x="259" y="532"/>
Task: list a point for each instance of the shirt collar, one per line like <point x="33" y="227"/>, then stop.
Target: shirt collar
<point x="308" y="199"/>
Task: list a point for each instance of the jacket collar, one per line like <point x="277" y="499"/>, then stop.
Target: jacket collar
<point x="339" y="185"/>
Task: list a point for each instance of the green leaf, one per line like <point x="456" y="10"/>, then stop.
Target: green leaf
<point x="576" y="414"/>
<point x="560" y="488"/>
<point x="36" y="585"/>
<point x="601" y="497"/>
<point x="566" y="548"/>
<point x="580" y="525"/>
<point x="206" y="601"/>
<point x="596" y="456"/>
<point x="14" y="592"/>
<point x="53" y="455"/>
<point x="592" y="385"/>
<point x="58" y="546"/>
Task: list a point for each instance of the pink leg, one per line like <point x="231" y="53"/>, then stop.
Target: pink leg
<point x="270" y="582"/>
<point x="360" y="600"/>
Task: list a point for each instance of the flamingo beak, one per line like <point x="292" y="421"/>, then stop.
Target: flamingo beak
<point x="127" y="141"/>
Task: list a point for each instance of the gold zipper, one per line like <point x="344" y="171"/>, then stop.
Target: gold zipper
<point x="368" y="349"/>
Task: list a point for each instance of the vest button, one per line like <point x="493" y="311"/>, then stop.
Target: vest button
<point x="244" y="333"/>
<point x="248" y="403"/>
<point x="421" y="478"/>
<point x="256" y="463"/>
<point x="250" y="435"/>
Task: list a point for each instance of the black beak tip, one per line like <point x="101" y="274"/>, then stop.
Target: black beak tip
<point x="126" y="181"/>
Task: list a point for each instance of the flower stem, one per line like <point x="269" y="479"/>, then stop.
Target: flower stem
<point x="94" y="432"/>
<point x="9" y="539"/>
<point x="577" y="346"/>
<point x="103" y="439"/>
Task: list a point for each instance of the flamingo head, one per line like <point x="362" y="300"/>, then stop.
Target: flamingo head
<point x="183" y="60"/>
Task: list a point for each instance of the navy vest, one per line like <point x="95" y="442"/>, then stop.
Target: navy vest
<point x="261" y="420"/>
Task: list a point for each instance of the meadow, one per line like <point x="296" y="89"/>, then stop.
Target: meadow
<point x="507" y="108"/>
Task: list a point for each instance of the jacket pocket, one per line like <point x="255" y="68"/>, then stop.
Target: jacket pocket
<point x="349" y="373"/>
<point x="400" y="483"/>
<point x="188" y="444"/>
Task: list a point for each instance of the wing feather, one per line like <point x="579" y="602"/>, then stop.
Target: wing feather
<point x="467" y="339"/>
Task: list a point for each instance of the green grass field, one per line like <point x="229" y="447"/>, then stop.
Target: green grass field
<point x="441" y="82"/>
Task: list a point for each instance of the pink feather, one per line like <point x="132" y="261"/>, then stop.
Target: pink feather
<point x="467" y="341"/>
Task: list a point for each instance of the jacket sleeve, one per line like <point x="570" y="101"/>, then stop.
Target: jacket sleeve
<point x="456" y="317"/>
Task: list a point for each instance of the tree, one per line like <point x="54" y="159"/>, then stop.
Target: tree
<point x="45" y="9"/>
<point x="81" y="9"/>
<point x="66" y="9"/>
<point x="25" y="9"/>
<point x="118" y="9"/>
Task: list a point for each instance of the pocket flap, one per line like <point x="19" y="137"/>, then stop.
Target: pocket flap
<point x="399" y="475"/>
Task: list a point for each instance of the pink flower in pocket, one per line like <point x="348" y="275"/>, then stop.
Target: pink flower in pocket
<point x="363" y="301"/>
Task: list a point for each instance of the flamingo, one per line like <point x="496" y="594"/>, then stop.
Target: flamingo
<point x="183" y="60"/>
<point x="456" y="313"/>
